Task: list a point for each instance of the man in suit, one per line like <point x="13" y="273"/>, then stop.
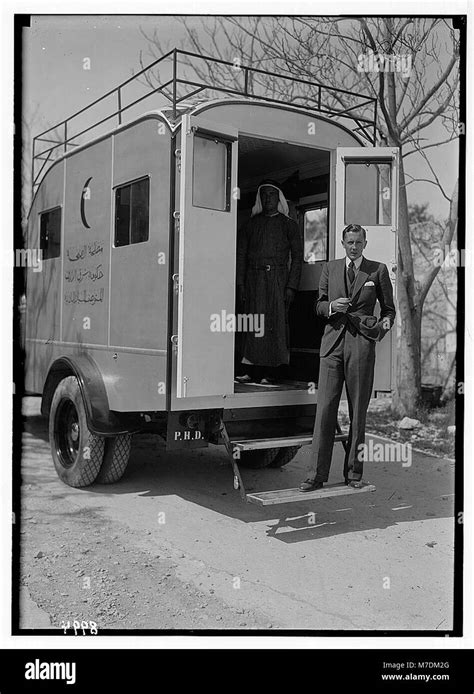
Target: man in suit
<point x="348" y="291"/>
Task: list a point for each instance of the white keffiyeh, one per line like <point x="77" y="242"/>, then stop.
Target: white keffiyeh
<point x="282" y="204"/>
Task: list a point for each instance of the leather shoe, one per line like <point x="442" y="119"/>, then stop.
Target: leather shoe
<point x="310" y="485"/>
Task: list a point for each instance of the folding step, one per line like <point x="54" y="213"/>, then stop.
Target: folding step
<point x="287" y="496"/>
<point x="283" y="442"/>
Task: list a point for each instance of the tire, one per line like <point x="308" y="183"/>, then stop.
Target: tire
<point x="259" y="458"/>
<point x="77" y="453"/>
<point x="116" y="456"/>
<point x="285" y="455"/>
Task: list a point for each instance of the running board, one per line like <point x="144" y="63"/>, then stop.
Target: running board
<point x="301" y="440"/>
<point x="287" y="496"/>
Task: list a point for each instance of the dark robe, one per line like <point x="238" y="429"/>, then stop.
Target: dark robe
<point x="269" y="260"/>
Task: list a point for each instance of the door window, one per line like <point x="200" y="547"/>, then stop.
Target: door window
<point x="368" y="188"/>
<point x="211" y="173"/>
<point x="315" y="233"/>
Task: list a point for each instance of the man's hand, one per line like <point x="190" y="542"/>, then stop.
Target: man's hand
<point x="289" y="296"/>
<point x="340" y="305"/>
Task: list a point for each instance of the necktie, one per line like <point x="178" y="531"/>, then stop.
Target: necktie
<point x="351" y="273"/>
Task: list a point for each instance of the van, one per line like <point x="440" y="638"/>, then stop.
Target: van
<point x="137" y="228"/>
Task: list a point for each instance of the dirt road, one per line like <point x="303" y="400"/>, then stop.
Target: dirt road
<point x="172" y="546"/>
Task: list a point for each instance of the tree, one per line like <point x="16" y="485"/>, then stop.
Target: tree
<point x="327" y="51"/>
<point x="31" y="124"/>
<point x="438" y="357"/>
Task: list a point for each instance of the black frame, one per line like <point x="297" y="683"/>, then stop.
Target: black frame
<point x="44" y="254"/>
<point x="116" y="189"/>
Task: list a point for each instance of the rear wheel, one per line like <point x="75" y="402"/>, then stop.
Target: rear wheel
<point x="77" y="452"/>
<point x="116" y="455"/>
<point x="285" y="455"/>
<point x="259" y="458"/>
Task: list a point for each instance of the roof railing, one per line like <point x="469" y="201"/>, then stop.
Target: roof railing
<point x="358" y="110"/>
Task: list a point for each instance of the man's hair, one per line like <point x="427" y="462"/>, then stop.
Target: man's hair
<point x="355" y="228"/>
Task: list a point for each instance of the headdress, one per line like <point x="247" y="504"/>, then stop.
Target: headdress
<point x="282" y="204"/>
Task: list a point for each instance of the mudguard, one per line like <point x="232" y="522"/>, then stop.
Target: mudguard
<point x="100" y="419"/>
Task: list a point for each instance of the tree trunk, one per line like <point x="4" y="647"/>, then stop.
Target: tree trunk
<point x="407" y="390"/>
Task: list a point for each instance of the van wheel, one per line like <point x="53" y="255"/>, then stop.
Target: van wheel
<point x="285" y="455"/>
<point x="77" y="452"/>
<point x="259" y="458"/>
<point x="116" y="455"/>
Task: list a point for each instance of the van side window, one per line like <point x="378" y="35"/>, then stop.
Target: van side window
<point x="315" y="233"/>
<point x="131" y="212"/>
<point x="50" y="233"/>
<point x="211" y="172"/>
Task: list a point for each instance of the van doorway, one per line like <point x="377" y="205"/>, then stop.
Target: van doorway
<point x="303" y="175"/>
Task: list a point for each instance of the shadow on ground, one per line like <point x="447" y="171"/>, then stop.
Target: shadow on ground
<point x="204" y="477"/>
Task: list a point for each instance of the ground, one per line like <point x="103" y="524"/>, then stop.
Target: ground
<point x="431" y="435"/>
<point x="172" y="546"/>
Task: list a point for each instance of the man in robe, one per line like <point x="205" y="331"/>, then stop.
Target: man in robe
<point x="269" y="263"/>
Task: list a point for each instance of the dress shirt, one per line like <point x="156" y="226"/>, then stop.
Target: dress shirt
<point x="357" y="262"/>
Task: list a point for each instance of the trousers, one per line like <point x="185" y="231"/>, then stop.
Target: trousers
<point x="351" y="362"/>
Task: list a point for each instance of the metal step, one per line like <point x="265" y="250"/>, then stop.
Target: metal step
<point x="283" y="442"/>
<point x="287" y="496"/>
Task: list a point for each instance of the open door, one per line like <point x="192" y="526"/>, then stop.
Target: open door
<point x="207" y="249"/>
<point x="367" y="194"/>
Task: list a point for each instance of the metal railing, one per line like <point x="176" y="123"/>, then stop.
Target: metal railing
<point x="358" y="110"/>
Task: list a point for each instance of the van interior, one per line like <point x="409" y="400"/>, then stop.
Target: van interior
<point x="303" y="173"/>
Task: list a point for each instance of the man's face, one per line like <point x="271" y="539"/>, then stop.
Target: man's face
<point x="270" y="198"/>
<point x="354" y="244"/>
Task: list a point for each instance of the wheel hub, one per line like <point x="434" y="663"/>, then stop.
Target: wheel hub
<point x="74" y="431"/>
<point x="67" y="432"/>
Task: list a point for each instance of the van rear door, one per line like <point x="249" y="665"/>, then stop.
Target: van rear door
<point x="207" y="248"/>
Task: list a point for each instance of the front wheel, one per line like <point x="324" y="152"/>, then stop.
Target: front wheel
<point x="77" y="452"/>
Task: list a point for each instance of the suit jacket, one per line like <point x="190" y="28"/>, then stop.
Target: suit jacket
<point x="371" y="284"/>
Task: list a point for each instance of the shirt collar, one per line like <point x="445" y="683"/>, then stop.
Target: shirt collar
<point x="357" y="262"/>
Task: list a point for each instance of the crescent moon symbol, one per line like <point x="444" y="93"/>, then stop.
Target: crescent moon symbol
<point x="83" y="205"/>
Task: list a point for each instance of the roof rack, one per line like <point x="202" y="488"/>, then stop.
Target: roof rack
<point x="359" y="111"/>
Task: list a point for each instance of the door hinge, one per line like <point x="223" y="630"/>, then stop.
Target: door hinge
<point x="175" y="279"/>
<point x="174" y="341"/>
<point x="176" y="217"/>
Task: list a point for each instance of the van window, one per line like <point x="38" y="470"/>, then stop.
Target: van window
<point x="50" y="233"/>
<point x="131" y="212"/>
<point x="211" y="173"/>
<point x="315" y="233"/>
<point x="368" y="193"/>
